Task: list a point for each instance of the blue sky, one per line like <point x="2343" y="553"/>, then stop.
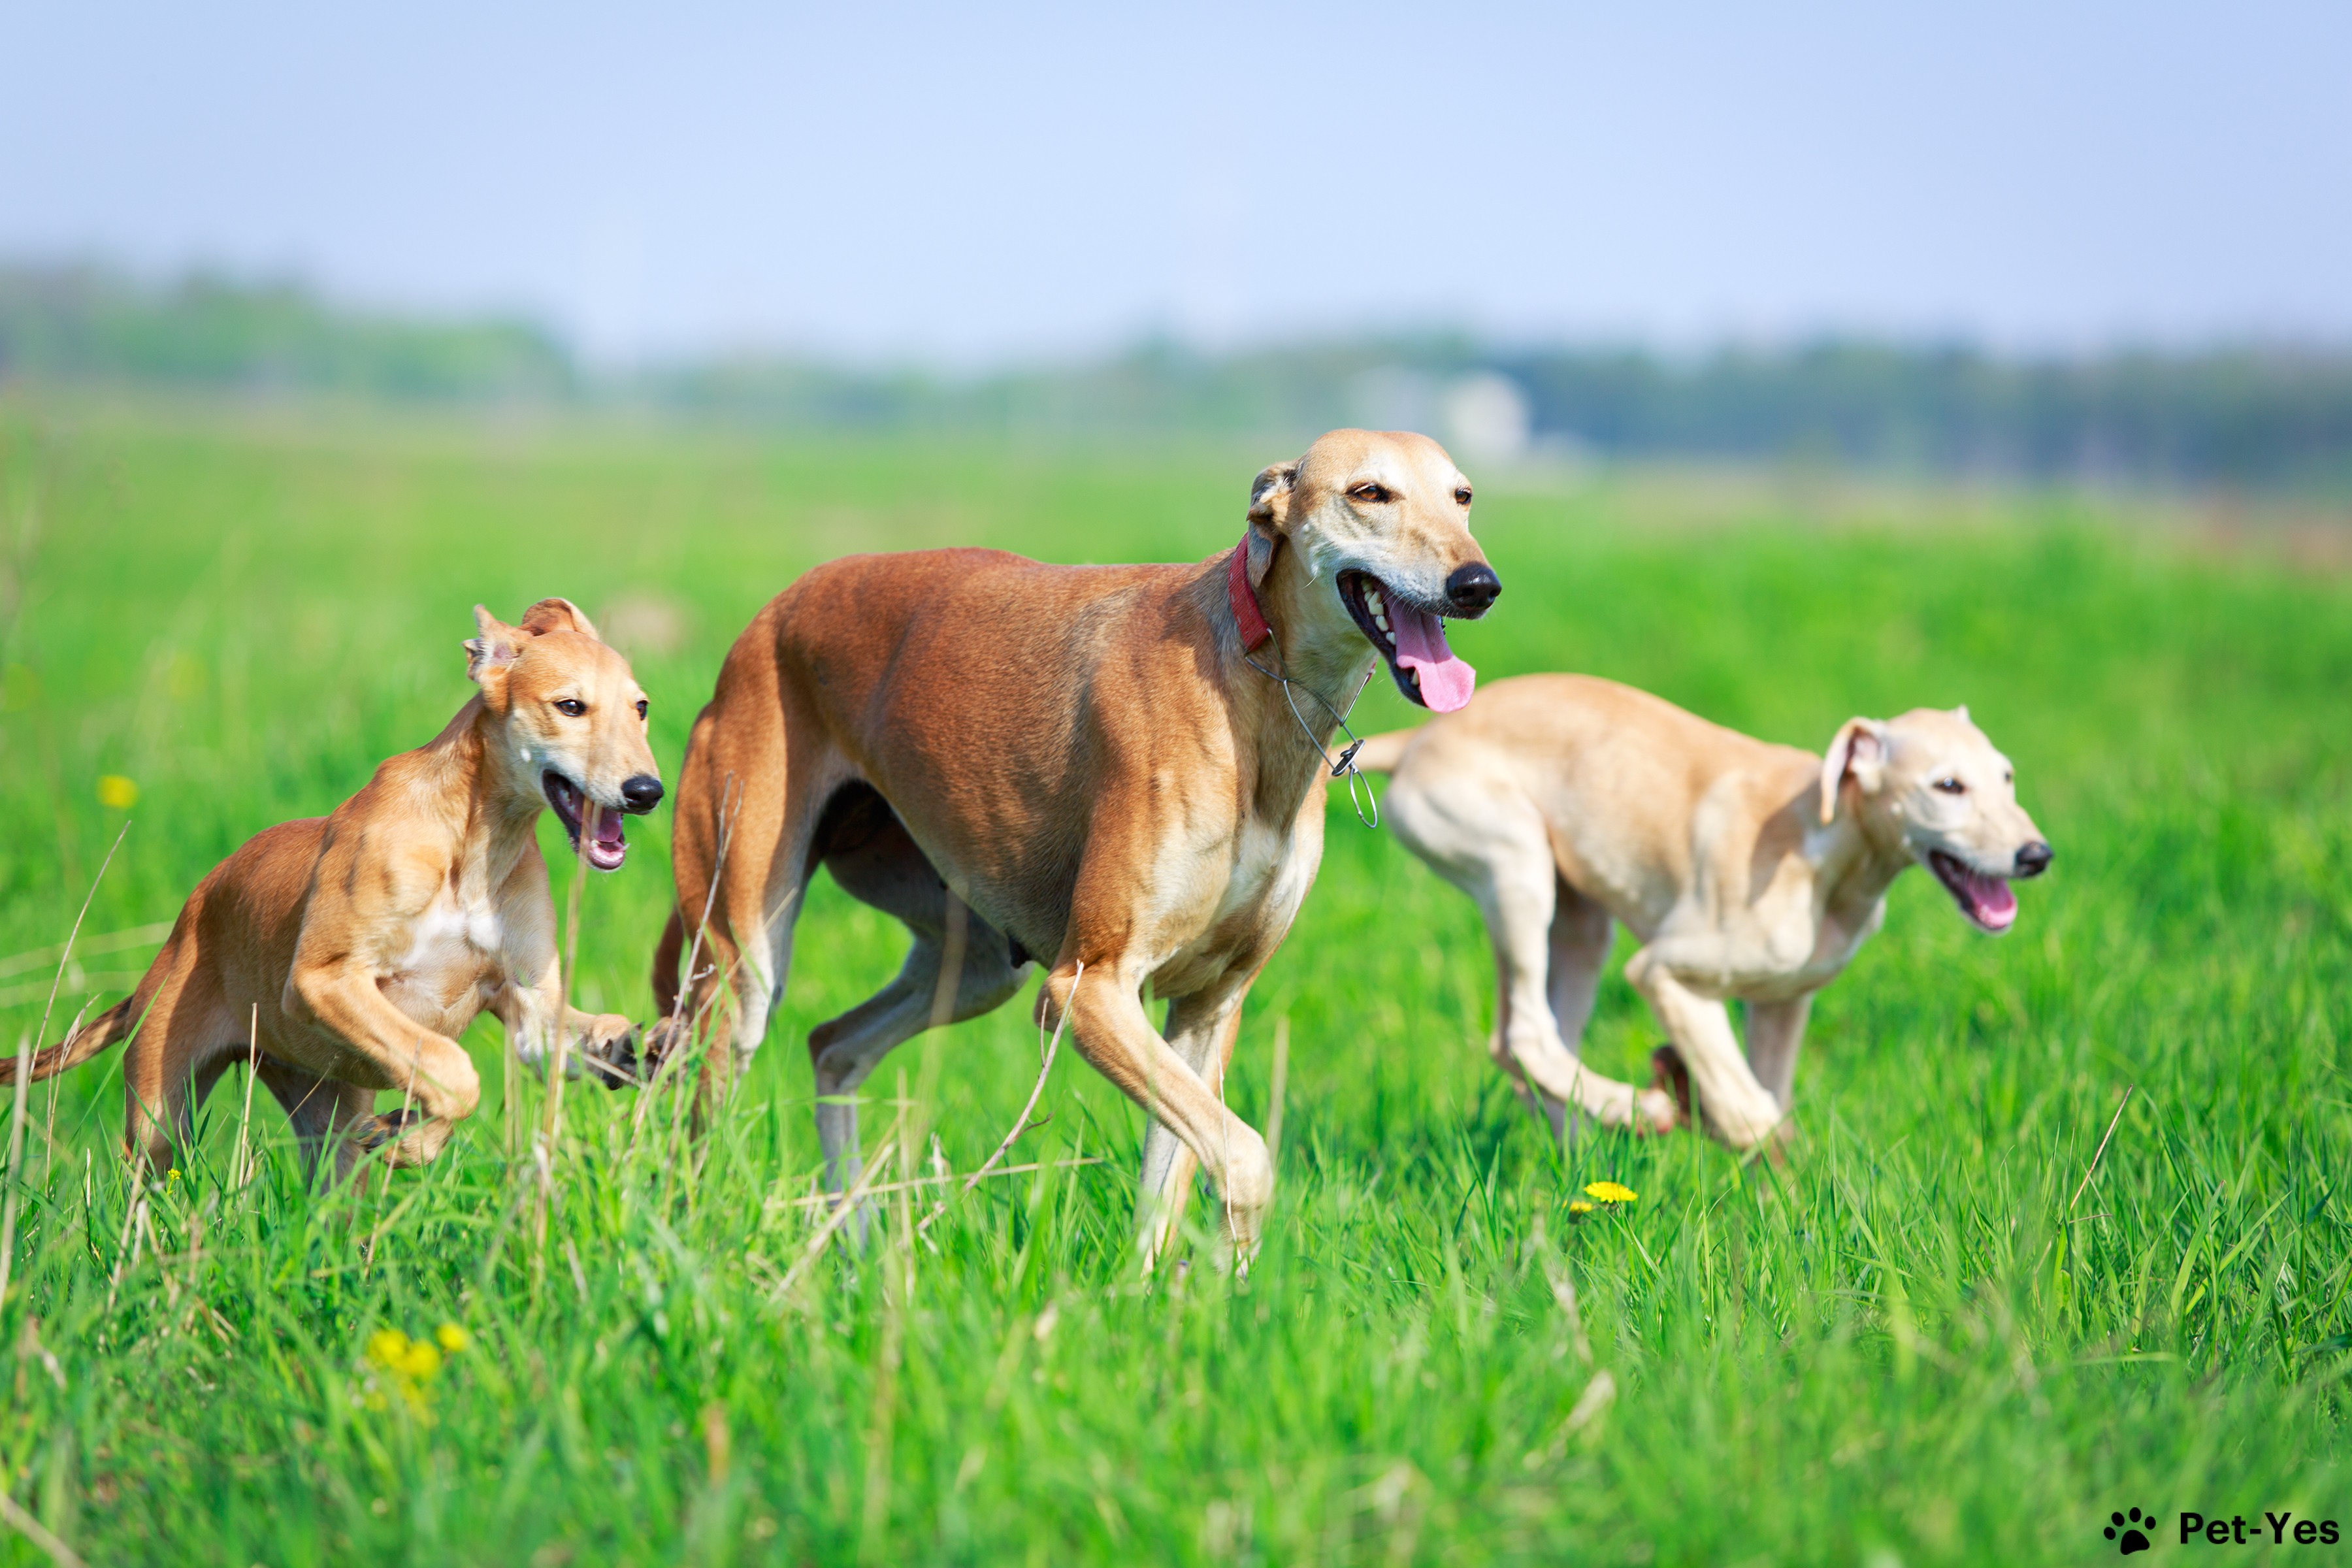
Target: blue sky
<point x="967" y="186"/>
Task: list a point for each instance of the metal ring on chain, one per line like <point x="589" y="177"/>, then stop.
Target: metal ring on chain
<point x="1346" y="763"/>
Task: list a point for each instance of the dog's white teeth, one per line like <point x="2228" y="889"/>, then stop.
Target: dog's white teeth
<point x="1379" y="620"/>
<point x="1389" y="635"/>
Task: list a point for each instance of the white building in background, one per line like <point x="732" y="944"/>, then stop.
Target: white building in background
<point x="1484" y="417"/>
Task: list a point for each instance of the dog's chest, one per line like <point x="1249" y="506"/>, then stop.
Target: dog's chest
<point x="1220" y="919"/>
<point x="1843" y="932"/>
<point x="453" y="949"/>
<point x="1802" y="952"/>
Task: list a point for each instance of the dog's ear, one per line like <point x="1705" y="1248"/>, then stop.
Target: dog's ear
<point x="1269" y="516"/>
<point x="493" y="650"/>
<point x="1962" y="713"/>
<point x="1859" y="752"/>
<point x="558" y="616"/>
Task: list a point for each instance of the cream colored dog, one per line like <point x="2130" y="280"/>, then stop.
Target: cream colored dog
<point x="1748" y="870"/>
<point x="360" y="945"/>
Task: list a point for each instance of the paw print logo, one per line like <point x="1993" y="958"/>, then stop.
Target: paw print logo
<point x="2127" y="1535"/>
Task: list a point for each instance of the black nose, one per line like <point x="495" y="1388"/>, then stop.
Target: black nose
<point x="1473" y="587"/>
<point x="2033" y="859"/>
<point x="642" y="792"/>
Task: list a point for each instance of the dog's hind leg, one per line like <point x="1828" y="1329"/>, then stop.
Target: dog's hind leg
<point x="750" y="805"/>
<point x="186" y="1026"/>
<point x="1581" y="931"/>
<point x="323" y="1111"/>
<point x="1528" y="911"/>
<point x="742" y="956"/>
<point x="1520" y="893"/>
<point x="1487" y="839"/>
<point x="875" y="861"/>
<point x="844" y="1050"/>
<point x="698" y="964"/>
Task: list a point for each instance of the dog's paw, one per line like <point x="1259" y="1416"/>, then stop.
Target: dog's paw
<point x="609" y="1052"/>
<point x="378" y="1130"/>
<point x="1749" y="1130"/>
<point x="660" y="1043"/>
<point x="405" y="1137"/>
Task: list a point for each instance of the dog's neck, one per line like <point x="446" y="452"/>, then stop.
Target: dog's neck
<point x="1854" y="859"/>
<point x="1318" y="648"/>
<point x="1315" y="640"/>
<point x="493" y="798"/>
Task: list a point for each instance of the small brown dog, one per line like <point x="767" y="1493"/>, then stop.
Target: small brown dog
<point x="369" y="940"/>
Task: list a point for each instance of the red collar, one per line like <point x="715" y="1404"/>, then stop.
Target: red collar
<point x="1248" y="619"/>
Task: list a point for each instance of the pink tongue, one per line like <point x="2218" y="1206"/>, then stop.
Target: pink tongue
<point x="1995" y="899"/>
<point x="1446" y="681"/>
<point x="608" y="828"/>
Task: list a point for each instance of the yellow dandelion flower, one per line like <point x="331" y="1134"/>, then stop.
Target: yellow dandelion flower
<point x="1580" y="1208"/>
<point x="422" y="1361"/>
<point x="115" y="791"/>
<point x="388" y="1347"/>
<point x="453" y="1339"/>
<point x="1611" y="1192"/>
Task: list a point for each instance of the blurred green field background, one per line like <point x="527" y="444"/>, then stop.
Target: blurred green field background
<point x="1909" y="1344"/>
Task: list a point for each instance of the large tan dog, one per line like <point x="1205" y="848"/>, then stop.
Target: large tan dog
<point x="1092" y="759"/>
<point x="370" y="939"/>
<point x="1748" y="870"/>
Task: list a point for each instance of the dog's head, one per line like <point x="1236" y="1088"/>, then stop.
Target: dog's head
<point x="1381" y="524"/>
<point x="1932" y="782"/>
<point x="570" y="721"/>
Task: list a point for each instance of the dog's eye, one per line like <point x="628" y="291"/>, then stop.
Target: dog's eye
<point x="572" y="708"/>
<point x="1370" y="494"/>
<point x="1951" y="787"/>
<point x="641" y="707"/>
<point x="1461" y="496"/>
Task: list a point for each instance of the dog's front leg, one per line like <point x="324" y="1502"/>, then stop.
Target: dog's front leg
<point x="1738" y="1110"/>
<point x="432" y="1069"/>
<point x="1201" y="1030"/>
<point x="601" y="1044"/>
<point x="530" y="996"/>
<point x="1105" y="1014"/>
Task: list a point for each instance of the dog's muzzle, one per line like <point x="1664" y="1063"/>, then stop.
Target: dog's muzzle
<point x="641" y="793"/>
<point x="1473" y="588"/>
<point x="596" y="830"/>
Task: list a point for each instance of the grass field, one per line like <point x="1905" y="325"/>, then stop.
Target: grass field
<point x="1911" y="1343"/>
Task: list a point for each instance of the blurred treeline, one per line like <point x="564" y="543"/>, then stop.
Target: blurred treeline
<point x="2244" y="415"/>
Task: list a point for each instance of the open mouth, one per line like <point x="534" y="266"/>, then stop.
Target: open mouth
<point x="601" y="842"/>
<point x="1989" y="902"/>
<point x="1412" y="640"/>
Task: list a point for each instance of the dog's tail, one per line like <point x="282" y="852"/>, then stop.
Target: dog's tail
<point x="111" y="1027"/>
<point x="1381" y="754"/>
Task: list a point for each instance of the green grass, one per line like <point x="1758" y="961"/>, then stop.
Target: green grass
<point x="1900" y="1346"/>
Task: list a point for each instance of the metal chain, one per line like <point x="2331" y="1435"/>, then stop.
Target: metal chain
<point x="1345" y="766"/>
